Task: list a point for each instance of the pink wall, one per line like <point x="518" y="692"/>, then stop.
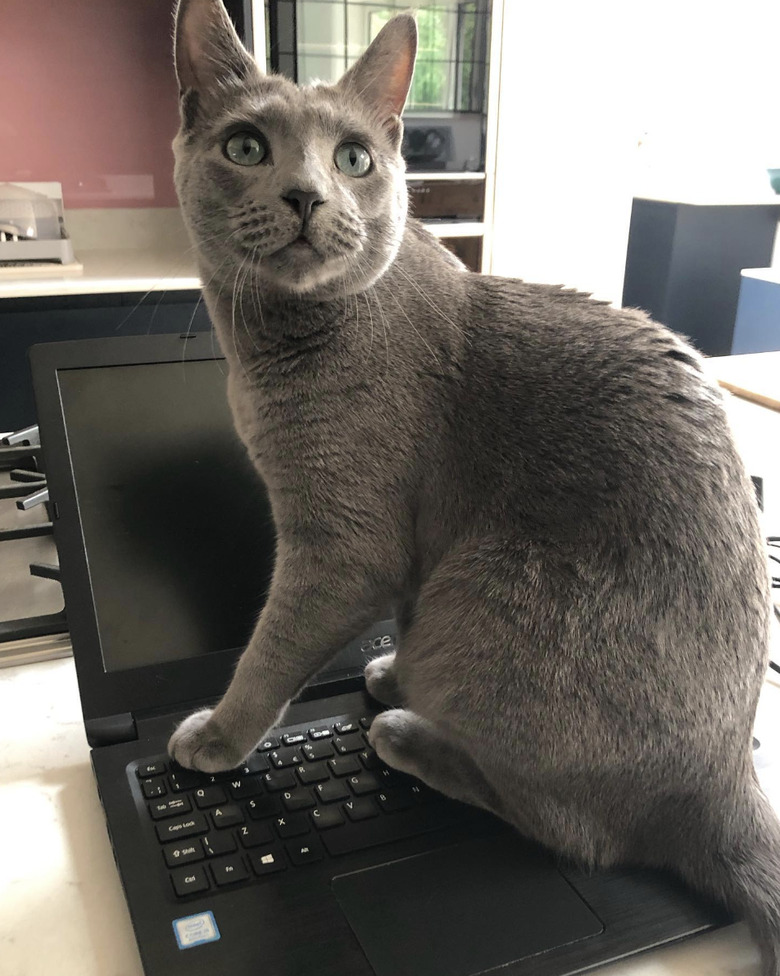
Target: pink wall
<point x="88" y="98"/>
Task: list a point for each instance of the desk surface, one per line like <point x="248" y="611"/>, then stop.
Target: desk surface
<point x="61" y="905"/>
<point x="753" y="376"/>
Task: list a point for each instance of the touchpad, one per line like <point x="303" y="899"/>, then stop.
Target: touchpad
<point x="463" y="909"/>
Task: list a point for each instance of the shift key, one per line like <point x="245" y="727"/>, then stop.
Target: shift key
<point x="189" y="826"/>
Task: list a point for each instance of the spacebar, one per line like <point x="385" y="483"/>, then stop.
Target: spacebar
<point x="392" y="827"/>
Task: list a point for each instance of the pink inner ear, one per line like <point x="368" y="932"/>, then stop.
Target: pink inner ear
<point x="382" y="75"/>
<point x="399" y="82"/>
<point x="192" y="30"/>
<point x="205" y="43"/>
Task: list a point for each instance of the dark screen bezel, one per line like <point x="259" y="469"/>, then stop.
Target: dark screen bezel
<point x="108" y="693"/>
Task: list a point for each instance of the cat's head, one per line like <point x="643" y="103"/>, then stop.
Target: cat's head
<point x="302" y="186"/>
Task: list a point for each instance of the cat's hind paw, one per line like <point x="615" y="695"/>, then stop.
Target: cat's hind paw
<point x="395" y="736"/>
<point x="198" y="743"/>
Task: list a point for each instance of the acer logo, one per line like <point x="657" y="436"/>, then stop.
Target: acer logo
<point x="384" y="643"/>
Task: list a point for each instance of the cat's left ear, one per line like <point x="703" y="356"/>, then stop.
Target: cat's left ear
<point x="382" y="76"/>
<point x="210" y="58"/>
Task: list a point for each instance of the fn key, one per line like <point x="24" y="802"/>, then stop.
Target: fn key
<point x="187" y="881"/>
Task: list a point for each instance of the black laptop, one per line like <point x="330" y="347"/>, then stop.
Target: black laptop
<point x="313" y="858"/>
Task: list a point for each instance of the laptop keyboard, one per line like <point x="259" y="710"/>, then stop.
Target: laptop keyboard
<point x="301" y="797"/>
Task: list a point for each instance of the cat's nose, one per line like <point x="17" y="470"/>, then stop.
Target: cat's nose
<point x="303" y="202"/>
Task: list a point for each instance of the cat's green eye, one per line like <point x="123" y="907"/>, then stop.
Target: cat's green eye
<point x="353" y="159"/>
<point x="245" y="149"/>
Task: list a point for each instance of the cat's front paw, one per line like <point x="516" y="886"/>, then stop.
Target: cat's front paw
<point x="382" y="680"/>
<point x="198" y="743"/>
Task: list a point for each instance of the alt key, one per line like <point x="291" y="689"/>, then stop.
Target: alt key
<point x="306" y="851"/>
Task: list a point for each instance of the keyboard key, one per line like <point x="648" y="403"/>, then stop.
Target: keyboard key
<point x="324" y="818"/>
<point x="154" y="787"/>
<point x="317" y="750"/>
<point x="207" y="779"/>
<point x="321" y="732"/>
<point x="218" y="843"/>
<point x="292" y="825"/>
<point x="145" y="770"/>
<point x="315" y="773"/>
<point x="220" y="779"/>
<point x="227" y="816"/>
<point x="391" y="801"/>
<point x="385" y="830"/>
<point x="184" y="779"/>
<point x="178" y="829"/>
<point x="209" y="796"/>
<point x="344" y="765"/>
<point x="344" y="727"/>
<point x="293" y="738"/>
<point x="423" y="794"/>
<point x="256" y="763"/>
<point x="242" y="789"/>
<point x="267" y="744"/>
<point x="387" y="776"/>
<point x="297" y="800"/>
<point x="365" y="722"/>
<point x="305" y="852"/>
<point x="362" y="809"/>
<point x="177" y="805"/>
<point x="255" y="835"/>
<point x="284" y="780"/>
<point x="364" y="783"/>
<point x="281" y="758"/>
<point x="262" y="807"/>
<point x="188" y="881"/>
<point x="331" y="791"/>
<point x="269" y="860"/>
<point x="370" y="759"/>
<point x="348" y="743"/>
<point x="229" y="870"/>
<point x="176" y="854"/>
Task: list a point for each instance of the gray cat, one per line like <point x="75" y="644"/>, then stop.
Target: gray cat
<point x="544" y="487"/>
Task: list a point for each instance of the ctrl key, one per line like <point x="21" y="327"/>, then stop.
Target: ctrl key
<point x="188" y="881"/>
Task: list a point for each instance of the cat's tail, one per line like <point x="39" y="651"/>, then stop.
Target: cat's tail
<point x="739" y="864"/>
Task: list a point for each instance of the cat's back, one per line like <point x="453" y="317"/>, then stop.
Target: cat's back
<point x="595" y="407"/>
<point x="545" y="334"/>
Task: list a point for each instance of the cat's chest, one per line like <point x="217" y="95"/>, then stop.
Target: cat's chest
<point x="294" y="431"/>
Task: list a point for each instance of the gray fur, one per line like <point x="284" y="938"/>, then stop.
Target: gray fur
<point x="545" y="487"/>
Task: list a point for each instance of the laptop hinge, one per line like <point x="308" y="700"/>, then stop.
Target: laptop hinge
<point x="110" y="729"/>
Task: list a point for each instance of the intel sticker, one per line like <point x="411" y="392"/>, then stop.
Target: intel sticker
<point x="194" y="930"/>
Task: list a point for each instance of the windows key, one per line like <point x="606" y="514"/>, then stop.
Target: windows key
<point x="269" y="860"/>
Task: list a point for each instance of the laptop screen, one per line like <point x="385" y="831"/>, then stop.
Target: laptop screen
<point x="176" y="524"/>
<point x="163" y="527"/>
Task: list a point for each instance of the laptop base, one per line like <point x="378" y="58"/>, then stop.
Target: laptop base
<point x="294" y="924"/>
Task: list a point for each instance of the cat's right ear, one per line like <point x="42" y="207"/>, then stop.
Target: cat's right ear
<point x="210" y="58"/>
